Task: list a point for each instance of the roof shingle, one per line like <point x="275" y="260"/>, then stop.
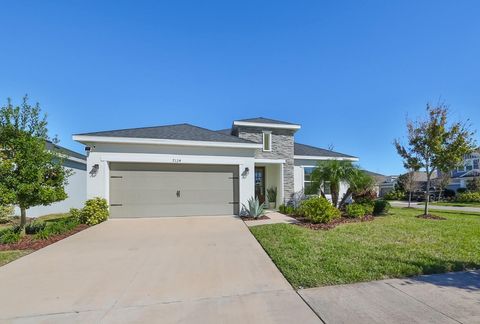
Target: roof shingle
<point x="308" y="150"/>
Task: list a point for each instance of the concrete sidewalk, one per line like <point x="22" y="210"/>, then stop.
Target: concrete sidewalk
<point x="275" y="218"/>
<point x="435" y="207"/>
<point x="443" y="298"/>
<point x="169" y="270"/>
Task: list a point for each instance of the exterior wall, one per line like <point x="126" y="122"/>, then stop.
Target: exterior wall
<point x="282" y="148"/>
<point x="299" y="176"/>
<point x="102" y="154"/>
<point x="76" y="190"/>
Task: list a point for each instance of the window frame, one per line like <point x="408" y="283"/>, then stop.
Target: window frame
<point x="269" y="133"/>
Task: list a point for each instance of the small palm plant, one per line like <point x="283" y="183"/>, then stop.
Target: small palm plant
<point x="254" y="209"/>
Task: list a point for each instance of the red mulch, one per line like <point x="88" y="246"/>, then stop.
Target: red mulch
<point x="249" y="218"/>
<point x="430" y="216"/>
<point x="28" y="242"/>
<point x="342" y="220"/>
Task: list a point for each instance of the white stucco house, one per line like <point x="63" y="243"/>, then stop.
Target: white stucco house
<point x="180" y="170"/>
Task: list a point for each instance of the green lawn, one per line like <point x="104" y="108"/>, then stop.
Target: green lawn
<point x="9" y="256"/>
<point x="455" y="204"/>
<point x="391" y="246"/>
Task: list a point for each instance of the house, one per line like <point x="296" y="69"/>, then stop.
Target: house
<point x="383" y="183"/>
<point x="180" y="170"/>
<point x="76" y="188"/>
<point x="466" y="171"/>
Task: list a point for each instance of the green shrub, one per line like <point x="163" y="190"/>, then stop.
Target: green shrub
<point x="75" y="213"/>
<point x="286" y="209"/>
<point x="56" y="227"/>
<point x="254" y="209"/>
<point x="355" y="210"/>
<point x="394" y="195"/>
<point x="9" y="237"/>
<point x="34" y="227"/>
<point x="461" y="190"/>
<point x="368" y="207"/>
<point x="94" y="212"/>
<point x="318" y="210"/>
<point x="381" y="207"/>
<point x="468" y="197"/>
<point x="43" y="235"/>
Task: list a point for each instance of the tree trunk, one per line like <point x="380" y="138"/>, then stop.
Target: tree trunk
<point x="23" y="219"/>
<point x="409" y="198"/>
<point x="345" y="197"/>
<point x="427" y="195"/>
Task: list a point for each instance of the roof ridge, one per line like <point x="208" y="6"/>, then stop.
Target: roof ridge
<point x="210" y="130"/>
<point x="134" y="128"/>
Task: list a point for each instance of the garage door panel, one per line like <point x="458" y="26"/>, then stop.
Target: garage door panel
<point x="150" y="190"/>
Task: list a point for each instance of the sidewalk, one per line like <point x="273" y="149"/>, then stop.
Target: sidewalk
<point x="435" y="207"/>
<point x="275" y="218"/>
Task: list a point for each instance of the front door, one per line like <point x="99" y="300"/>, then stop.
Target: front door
<point x="260" y="184"/>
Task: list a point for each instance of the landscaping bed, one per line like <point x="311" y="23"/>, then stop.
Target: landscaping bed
<point x="303" y="222"/>
<point x="393" y="246"/>
<point x="30" y="242"/>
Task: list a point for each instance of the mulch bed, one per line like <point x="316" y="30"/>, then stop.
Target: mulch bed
<point x="28" y="242"/>
<point x="430" y="216"/>
<point x="249" y="218"/>
<point x="303" y="222"/>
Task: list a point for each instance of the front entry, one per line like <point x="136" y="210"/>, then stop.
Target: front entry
<point x="260" y="184"/>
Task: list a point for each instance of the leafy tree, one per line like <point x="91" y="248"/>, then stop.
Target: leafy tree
<point x="441" y="182"/>
<point x="474" y="185"/>
<point x="333" y="172"/>
<point x="30" y="175"/>
<point x="435" y="145"/>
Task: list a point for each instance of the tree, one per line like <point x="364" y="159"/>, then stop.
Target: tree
<point x="30" y="175"/>
<point x="332" y="173"/>
<point x="441" y="182"/>
<point x="435" y="144"/>
<point x="408" y="183"/>
<point x="360" y="184"/>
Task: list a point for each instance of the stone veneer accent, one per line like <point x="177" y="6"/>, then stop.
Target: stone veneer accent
<point x="282" y="148"/>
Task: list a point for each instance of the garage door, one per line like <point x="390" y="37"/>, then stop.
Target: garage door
<point x="156" y="190"/>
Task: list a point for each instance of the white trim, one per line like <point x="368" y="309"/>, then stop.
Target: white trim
<point x="130" y="140"/>
<point x="269" y="133"/>
<point x="270" y="161"/>
<point x="267" y="125"/>
<point x="168" y="158"/>
<point x="75" y="159"/>
<point x="321" y="158"/>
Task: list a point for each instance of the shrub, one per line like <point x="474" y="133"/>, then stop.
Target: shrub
<point x="368" y="207"/>
<point x="9" y="237"/>
<point x="254" y="208"/>
<point x="287" y="209"/>
<point x="94" y="212"/>
<point x="394" y="195"/>
<point x="366" y="196"/>
<point x="56" y="227"/>
<point x="75" y="213"/>
<point x="34" y="227"/>
<point x="468" y="197"/>
<point x="318" y="210"/>
<point x="355" y="210"/>
<point x="448" y="193"/>
<point x="381" y="207"/>
<point x="461" y="190"/>
<point x="43" y="235"/>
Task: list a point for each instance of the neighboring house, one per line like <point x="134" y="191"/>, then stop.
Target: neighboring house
<point x="76" y="188"/>
<point x="182" y="169"/>
<point x="383" y="183"/>
<point x="468" y="170"/>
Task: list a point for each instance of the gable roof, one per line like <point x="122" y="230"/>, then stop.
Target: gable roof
<point x="184" y="132"/>
<point x="263" y="120"/>
<point x="308" y="150"/>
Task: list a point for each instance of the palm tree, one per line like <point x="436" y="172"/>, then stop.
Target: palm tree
<point x="359" y="183"/>
<point x="333" y="172"/>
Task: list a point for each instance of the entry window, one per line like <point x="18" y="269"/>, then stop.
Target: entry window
<point x="267" y="141"/>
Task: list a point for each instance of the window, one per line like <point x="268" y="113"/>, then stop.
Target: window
<point x="309" y="187"/>
<point x="267" y="141"/>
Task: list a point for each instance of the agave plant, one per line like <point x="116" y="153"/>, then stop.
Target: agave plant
<point x="254" y="209"/>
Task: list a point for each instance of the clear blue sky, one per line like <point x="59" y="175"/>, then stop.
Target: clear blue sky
<point x="348" y="71"/>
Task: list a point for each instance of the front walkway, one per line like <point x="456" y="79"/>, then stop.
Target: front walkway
<point x="443" y="298"/>
<point x="275" y="218"/>
<point x="170" y="270"/>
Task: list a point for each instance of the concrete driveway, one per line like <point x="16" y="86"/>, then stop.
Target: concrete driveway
<point x="170" y="270"/>
<point x="442" y="298"/>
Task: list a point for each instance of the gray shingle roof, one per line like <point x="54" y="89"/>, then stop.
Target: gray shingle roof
<point x="307" y="150"/>
<point x="264" y="120"/>
<point x="185" y="132"/>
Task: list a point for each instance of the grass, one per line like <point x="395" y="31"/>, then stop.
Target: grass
<point x="397" y="245"/>
<point x="9" y="256"/>
<point x="454" y="204"/>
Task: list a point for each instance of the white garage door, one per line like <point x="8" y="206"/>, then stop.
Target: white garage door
<point x="157" y="190"/>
